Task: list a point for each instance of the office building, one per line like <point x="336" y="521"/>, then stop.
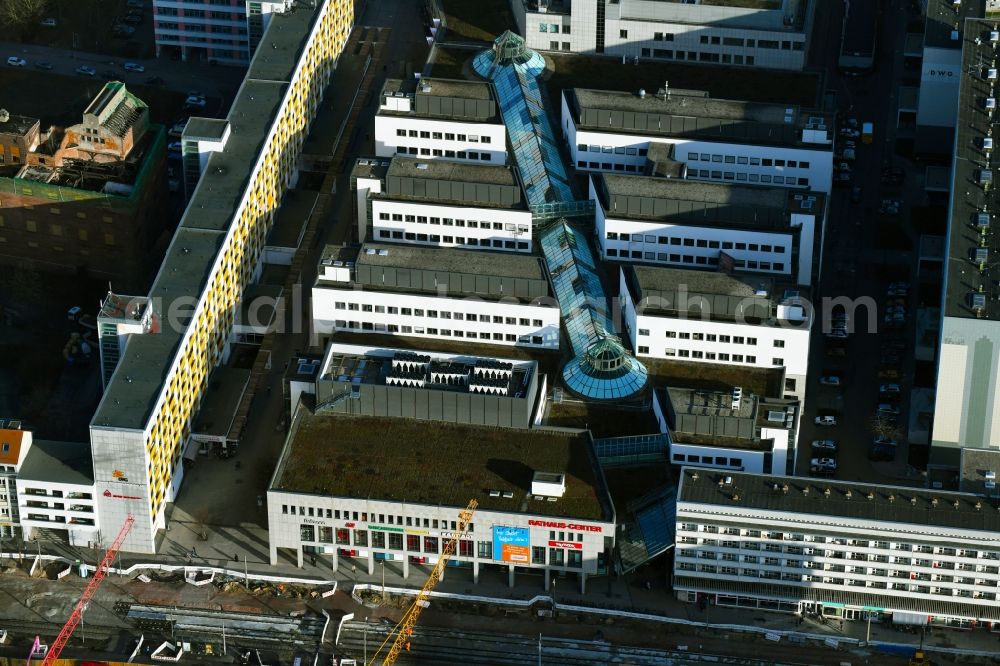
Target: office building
<point x="669" y="222"/>
<point x="19" y="135"/>
<point x="843" y="550"/>
<point x="967" y="404"/>
<point x="442" y="293"/>
<point x="709" y="317"/>
<point x="705" y="138"/>
<point x="224" y="33"/>
<point x="729" y="430"/>
<point x="55" y="493"/>
<point x="14" y="445"/>
<point x="770" y="35"/>
<point x="442" y="204"/>
<point x="145" y="416"/>
<point x="393" y="490"/>
<point x="88" y="198"/>
<point x="440" y="119"/>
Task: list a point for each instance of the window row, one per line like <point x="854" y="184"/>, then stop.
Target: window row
<point x="496" y="243"/>
<point x="553" y="28"/>
<point x="341" y="324"/>
<point x="747" y="177"/>
<point x="447" y="136"/>
<point x="707" y="460"/>
<point x="751" y="161"/>
<point x="450" y="222"/>
<point x="609" y="150"/>
<point x="708" y="356"/>
<point x="609" y="166"/>
<point x="695" y="242"/>
<point x="749" y="264"/>
<point x="438" y="314"/>
<point x="724" y="58"/>
<point x="363" y="516"/>
<point x="437" y="152"/>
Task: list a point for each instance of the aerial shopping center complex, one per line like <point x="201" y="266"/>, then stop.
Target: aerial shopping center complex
<point x="535" y="292"/>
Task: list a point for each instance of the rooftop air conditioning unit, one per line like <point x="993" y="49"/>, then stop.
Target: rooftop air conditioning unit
<point x="991" y="475"/>
<point x="991" y="102"/>
<point x="983" y="220"/>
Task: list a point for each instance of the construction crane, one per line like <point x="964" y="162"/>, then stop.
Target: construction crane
<point x="88" y="593"/>
<point x="405" y="626"/>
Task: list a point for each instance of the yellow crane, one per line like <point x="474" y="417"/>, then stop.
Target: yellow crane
<point x="404" y="628"/>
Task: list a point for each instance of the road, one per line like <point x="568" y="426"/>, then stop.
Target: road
<point x="214" y="81"/>
<point x="854" y="266"/>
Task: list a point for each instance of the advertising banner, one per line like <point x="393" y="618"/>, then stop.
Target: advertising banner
<point x="511" y="544"/>
<point x="572" y="545"/>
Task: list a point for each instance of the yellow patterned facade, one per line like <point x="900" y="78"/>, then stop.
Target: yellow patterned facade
<point x="230" y="264"/>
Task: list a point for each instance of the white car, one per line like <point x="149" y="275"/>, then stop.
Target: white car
<point x="14" y="61"/>
<point x="823" y="463"/>
<point x="133" y="67"/>
<point x="86" y="70"/>
<point x="886" y="408"/>
<point x="825" y="444"/>
<point x="74" y="313"/>
<point x="888" y="388"/>
<point x="884" y="441"/>
<point x="830" y="380"/>
<point x="825" y="420"/>
<point x="48" y="22"/>
<point x="194" y="100"/>
<point x="174" y="146"/>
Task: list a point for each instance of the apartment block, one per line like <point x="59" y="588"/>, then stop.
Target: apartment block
<point x="55" y="492"/>
<point x="710" y="317"/>
<point x="704" y="138"/>
<point x="842" y="550"/>
<point x="440" y="119"/>
<point x="773" y="34"/>
<point x="681" y="223"/>
<point x="482" y="297"/>
<point x="19" y="135"/>
<point x="442" y="204"/>
<point x="144" y="420"/>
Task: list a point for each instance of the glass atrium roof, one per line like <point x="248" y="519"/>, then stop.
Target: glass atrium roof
<point x="602" y="368"/>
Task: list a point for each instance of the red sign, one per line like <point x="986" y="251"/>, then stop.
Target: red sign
<point x="565" y="526"/>
<point x="349" y="525"/>
<point x="108" y="493"/>
<point x="572" y="545"/>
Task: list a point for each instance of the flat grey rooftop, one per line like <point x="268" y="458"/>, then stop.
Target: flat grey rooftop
<point x="975" y="466"/>
<point x="871" y="503"/>
<point x="700" y="203"/>
<point x="58" y="462"/>
<point x="282" y="43"/>
<point x="227" y="173"/>
<point x="370" y="167"/>
<point x="438" y="181"/>
<point x="685" y="113"/>
<point x="972" y="195"/>
<point x="446" y="99"/>
<point x="496" y="264"/>
<point x="226" y="387"/>
<point x="664" y="279"/>
<point x="17" y="125"/>
<point x="205" y="128"/>
<point x="942" y="16"/>
<point x="142" y="369"/>
<point x="440" y="88"/>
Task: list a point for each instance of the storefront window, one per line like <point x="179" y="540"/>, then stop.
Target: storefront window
<point x="485" y="550"/>
<point x="537" y="555"/>
<point x="378" y="539"/>
<point x="395" y="541"/>
<point x="360" y="537"/>
<point x="343" y="537"/>
<point x="465" y="548"/>
<point x="556" y="557"/>
<point x="307" y="532"/>
<point x="326" y="535"/>
<point x="413" y="543"/>
<point x="575" y="559"/>
<point x="431" y="545"/>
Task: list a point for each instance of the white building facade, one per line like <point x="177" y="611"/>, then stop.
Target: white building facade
<point x="792" y="545"/>
<point x="800" y="156"/>
<point x="770" y="35"/>
<point x="440" y="119"/>
<point x="746" y="327"/>
<point x="451" y="226"/>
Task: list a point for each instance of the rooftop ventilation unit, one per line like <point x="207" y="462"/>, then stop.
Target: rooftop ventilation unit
<point x="776" y="416"/>
<point x="987" y="143"/>
<point x="991" y="103"/>
<point x="983" y="221"/>
<point x="370" y="251"/>
<point x="494" y="493"/>
<point x="507" y="494"/>
<point x="981" y="255"/>
<point x="548" y="484"/>
<point x="985" y="177"/>
<point x="991" y="475"/>
<point x="737" y="398"/>
<point x="954" y="35"/>
<point x="991" y="74"/>
<point x="995" y="36"/>
<point x="383" y="253"/>
<point x="977" y="301"/>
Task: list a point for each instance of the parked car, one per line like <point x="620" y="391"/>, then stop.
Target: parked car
<point x="889" y="390"/>
<point x="41" y="64"/>
<point x="889" y="207"/>
<point x="14" y="61"/>
<point x="888" y="373"/>
<point x="174" y="146"/>
<point x="825" y="420"/>
<point x="74" y="313"/>
<point x="842" y="179"/>
<point x="177" y="129"/>
<point x="856" y="194"/>
<point x="823" y="463"/>
<point x="886" y="408"/>
<point x="86" y="70"/>
<point x="133" y="19"/>
<point x="825" y="444"/>
<point x="848" y="133"/>
<point x="884" y="441"/>
<point x="830" y="380"/>
<point x="48" y="22"/>
<point x="881" y="453"/>
<point x="133" y="67"/>
<point x="193" y="101"/>
<point x="123" y="30"/>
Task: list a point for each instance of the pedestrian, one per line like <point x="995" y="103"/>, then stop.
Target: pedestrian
<point x="194" y="552"/>
<point x="269" y="389"/>
<point x="236" y="557"/>
<point x="313" y="560"/>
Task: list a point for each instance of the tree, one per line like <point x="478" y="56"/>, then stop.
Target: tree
<point x="886" y="428"/>
<point x="21" y="13"/>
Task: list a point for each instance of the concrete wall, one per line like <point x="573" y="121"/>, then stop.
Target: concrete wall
<point x="387" y="138"/>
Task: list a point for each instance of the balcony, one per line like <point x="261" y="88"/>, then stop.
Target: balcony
<point x="82" y="496"/>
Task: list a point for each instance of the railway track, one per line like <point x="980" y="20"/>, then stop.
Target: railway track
<point x="446" y="646"/>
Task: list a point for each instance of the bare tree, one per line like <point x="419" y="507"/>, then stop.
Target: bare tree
<point x="886" y="428"/>
<point x="202" y="516"/>
<point x="20" y="13"/>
